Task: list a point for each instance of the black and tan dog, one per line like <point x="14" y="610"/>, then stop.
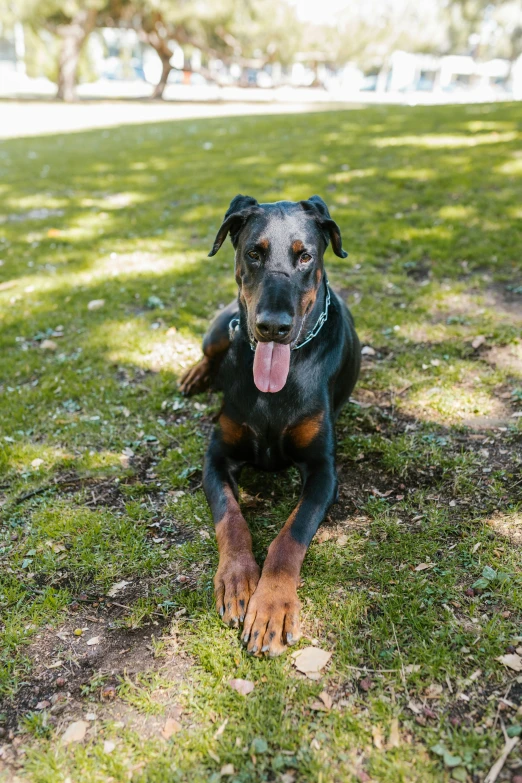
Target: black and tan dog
<point x="287" y="357"/>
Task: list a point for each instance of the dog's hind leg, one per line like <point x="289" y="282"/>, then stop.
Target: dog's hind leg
<point x="199" y="377"/>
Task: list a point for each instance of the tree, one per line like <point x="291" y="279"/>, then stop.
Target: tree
<point x="71" y="21"/>
<point x="229" y="30"/>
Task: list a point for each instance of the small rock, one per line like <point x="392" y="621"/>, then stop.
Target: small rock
<point x="95" y="304"/>
<point x="48" y="345"/>
<point x="365" y="684"/>
<point x="368" y="351"/>
<point x="469" y="592"/>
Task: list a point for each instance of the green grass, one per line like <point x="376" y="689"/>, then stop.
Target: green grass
<point x="100" y="458"/>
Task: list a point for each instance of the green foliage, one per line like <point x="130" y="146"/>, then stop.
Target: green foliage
<point x="101" y="459"/>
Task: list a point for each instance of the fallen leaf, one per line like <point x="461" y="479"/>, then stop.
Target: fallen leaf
<point x="95" y="304"/>
<point x="75" y="732"/>
<point x="411" y="668"/>
<point x="478" y="341"/>
<point x="310" y="661"/>
<point x="108" y="746"/>
<point x="378" y="740"/>
<point x="42" y="705"/>
<point x="221" y="729"/>
<point x="244" y="687"/>
<point x="37" y="462"/>
<point x="326" y="699"/>
<point x="512" y="661"/>
<point x="394" y="739"/>
<point x="226" y="770"/>
<point x="117" y="588"/>
<point x="48" y="345"/>
<point x="171" y="727"/>
<point x="93" y="640"/>
<point x="54" y="665"/>
<point x="423" y="566"/>
<point x="365" y="684"/>
<point x="433" y="691"/>
<point x="415" y="707"/>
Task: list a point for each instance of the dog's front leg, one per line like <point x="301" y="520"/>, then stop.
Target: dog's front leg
<point x="238" y="573"/>
<point x="272" y="620"/>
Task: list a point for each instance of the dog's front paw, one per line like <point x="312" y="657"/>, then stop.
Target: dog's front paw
<point x="272" y="620"/>
<point x="235" y="582"/>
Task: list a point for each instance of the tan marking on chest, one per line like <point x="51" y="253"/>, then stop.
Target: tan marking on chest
<point x="306" y="430"/>
<point x="231" y="430"/>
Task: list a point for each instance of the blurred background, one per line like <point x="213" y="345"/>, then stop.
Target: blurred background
<point x="403" y="51"/>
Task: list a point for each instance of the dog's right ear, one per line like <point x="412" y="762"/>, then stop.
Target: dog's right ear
<point x="240" y="209"/>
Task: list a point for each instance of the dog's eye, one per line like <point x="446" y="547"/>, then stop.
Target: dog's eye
<point x="304" y="258"/>
<point x="253" y="255"/>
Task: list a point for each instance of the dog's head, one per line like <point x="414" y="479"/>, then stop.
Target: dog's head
<point x="279" y="261"/>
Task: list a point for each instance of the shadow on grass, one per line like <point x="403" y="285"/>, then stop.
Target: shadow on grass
<point x="427" y="204"/>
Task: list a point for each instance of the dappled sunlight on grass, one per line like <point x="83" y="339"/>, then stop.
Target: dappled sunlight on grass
<point x="441" y="140"/>
<point x="511" y="166"/>
<point x="428" y="457"/>
<point x="457" y="212"/>
<point x="455" y="404"/>
<point x="507" y="526"/>
<point x="421" y="175"/>
<point x="347" y="176"/>
<point x="299" y="168"/>
<point x="132" y="343"/>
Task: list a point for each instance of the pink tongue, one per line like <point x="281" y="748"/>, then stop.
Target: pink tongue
<point x="271" y="365"/>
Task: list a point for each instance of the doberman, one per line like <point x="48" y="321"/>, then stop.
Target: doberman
<point x="287" y="357"/>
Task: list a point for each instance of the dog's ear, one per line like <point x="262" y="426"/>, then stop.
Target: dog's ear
<point x="316" y="205"/>
<point x="240" y="209"/>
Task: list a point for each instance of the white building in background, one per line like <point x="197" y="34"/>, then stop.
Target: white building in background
<point x="12" y="49"/>
<point x="409" y="72"/>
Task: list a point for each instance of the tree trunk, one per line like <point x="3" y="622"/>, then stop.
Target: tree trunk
<point x="166" y="68"/>
<point x="73" y="37"/>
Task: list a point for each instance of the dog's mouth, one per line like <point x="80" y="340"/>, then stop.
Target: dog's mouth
<point x="271" y="366"/>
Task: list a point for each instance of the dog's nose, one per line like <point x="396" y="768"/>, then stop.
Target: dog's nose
<point x="273" y="326"/>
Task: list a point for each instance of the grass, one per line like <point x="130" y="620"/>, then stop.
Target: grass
<point x="100" y="458"/>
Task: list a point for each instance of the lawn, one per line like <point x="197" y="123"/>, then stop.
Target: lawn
<point x="107" y="552"/>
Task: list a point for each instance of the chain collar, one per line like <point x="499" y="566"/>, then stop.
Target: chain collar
<point x="234" y="324"/>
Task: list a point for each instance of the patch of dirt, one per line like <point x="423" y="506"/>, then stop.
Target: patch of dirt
<point x="506" y="357"/>
<point x="72" y="679"/>
<point x="492" y="449"/>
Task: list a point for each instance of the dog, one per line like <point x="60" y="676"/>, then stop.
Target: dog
<point x="287" y="358"/>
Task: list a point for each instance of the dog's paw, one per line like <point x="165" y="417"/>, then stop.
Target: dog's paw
<point x="234" y="584"/>
<point x="197" y="378"/>
<point x="272" y="620"/>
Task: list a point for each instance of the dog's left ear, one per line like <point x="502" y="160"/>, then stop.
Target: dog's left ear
<point x="316" y="205"/>
<point x="240" y="209"/>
